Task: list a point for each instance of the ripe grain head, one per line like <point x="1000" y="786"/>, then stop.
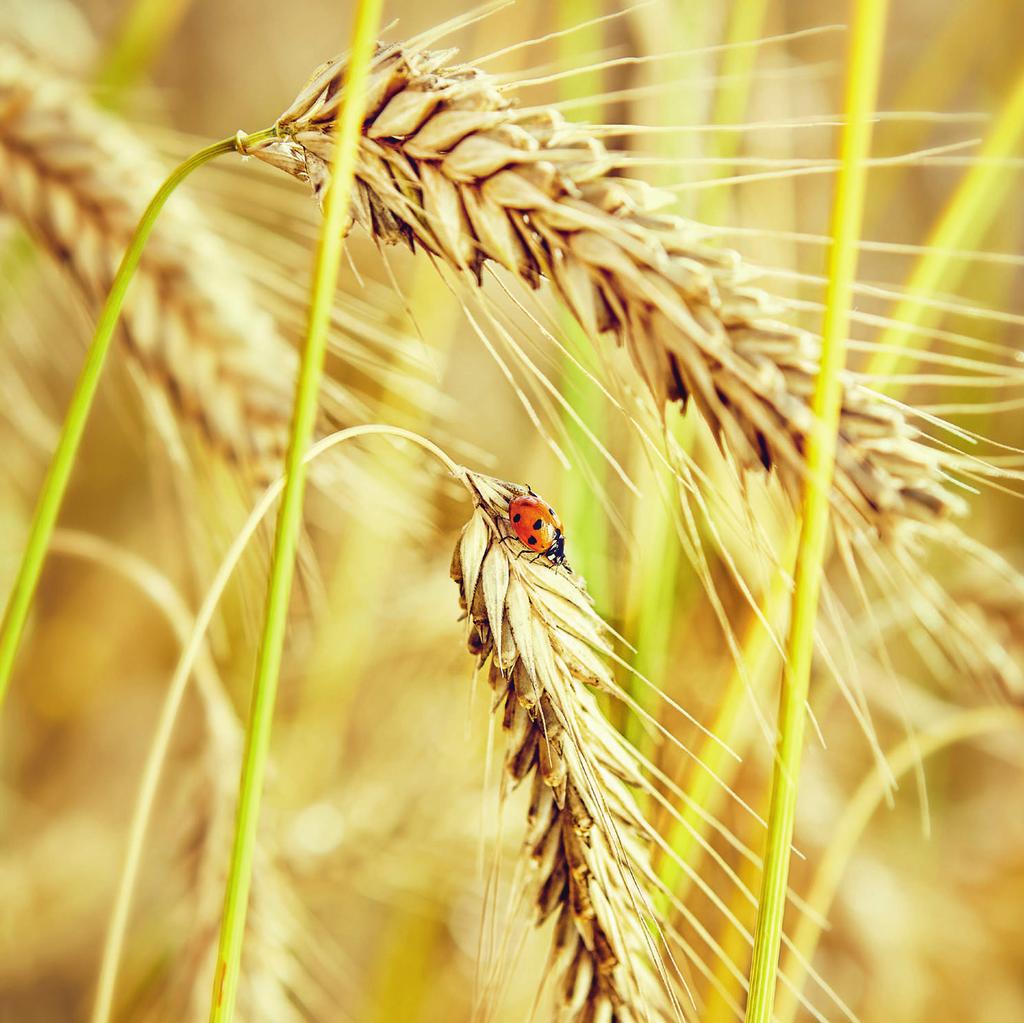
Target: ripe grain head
<point x="448" y="163"/>
<point x="586" y="845"/>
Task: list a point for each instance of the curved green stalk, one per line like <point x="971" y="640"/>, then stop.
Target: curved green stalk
<point x="856" y="817"/>
<point x="289" y="519"/>
<point x="190" y="663"/>
<point x="55" y="484"/>
<point x="156" y="587"/>
<point x="847" y="215"/>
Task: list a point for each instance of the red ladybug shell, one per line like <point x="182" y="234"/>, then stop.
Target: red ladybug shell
<point x="537" y="526"/>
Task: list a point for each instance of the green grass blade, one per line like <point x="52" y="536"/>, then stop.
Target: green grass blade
<point x="289" y="519"/>
<point x="659" y="592"/>
<point x="658" y="605"/>
<point x="55" y="484"/>
<point x="732" y="100"/>
<point x="977" y="201"/>
<point x="140" y="38"/>
<point x="847" y="215"/>
<point x="960" y="727"/>
<point x="190" y="663"/>
<point x="581" y="493"/>
<point x="733" y="726"/>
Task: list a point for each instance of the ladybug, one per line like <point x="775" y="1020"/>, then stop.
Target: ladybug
<point x="537" y="526"/>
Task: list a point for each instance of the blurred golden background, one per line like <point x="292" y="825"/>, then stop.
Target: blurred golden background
<point x="382" y="818"/>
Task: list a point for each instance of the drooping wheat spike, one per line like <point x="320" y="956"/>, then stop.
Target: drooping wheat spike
<point x="586" y="844"/>
<point x="77" y="180"/>
<point x="449" y="163"/>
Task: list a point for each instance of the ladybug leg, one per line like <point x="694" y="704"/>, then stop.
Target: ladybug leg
<point x="525" y="550"/>
<point x="515" y="539"/>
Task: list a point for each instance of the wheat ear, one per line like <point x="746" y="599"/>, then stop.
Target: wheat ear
<point x="449" y="163"/>
<point x="586" y="844"/>
<point x="77" y="179"/>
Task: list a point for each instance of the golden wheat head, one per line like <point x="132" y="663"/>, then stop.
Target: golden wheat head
<point x="586" y="845"/>
<point x="447" y="162"/>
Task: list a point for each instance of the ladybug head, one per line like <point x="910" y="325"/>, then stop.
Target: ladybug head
<point x="556" y="552"/>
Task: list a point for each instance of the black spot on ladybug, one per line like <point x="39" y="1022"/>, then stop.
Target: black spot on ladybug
<point x="551" y="511"/>
<point x="538" y="524"/>
<point x="532" y="540"/>
<point x="516" y="517"/>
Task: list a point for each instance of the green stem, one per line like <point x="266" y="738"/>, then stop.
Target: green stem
<point x="55" y="484"/>
<point x="140" y="38"/>
<point x="847" y="215"/>
<point x="952" y="56"/>
<point x="732" y="724"/>
<point x="190" y="662"/>
<point x="972" y="210"/>
<point x="289" y="519"/>
<point x="583" y="490"/>
<point x="963" y="726"/>
<point x="732" y="100"/>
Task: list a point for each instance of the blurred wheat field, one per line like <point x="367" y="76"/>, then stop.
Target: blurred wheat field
<point x="569" y="822"/>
